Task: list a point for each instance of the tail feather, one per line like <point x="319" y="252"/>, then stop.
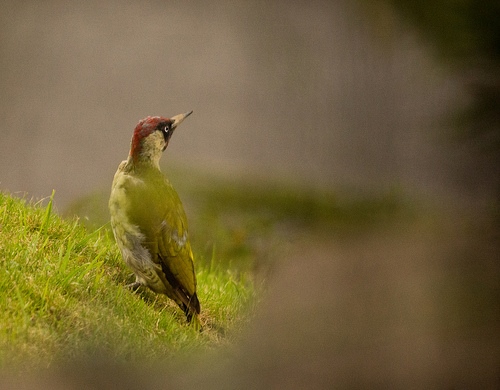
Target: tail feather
<point x="192" y="310"/>
<point x="194" y="304"/>
<point x="188" y="303"/>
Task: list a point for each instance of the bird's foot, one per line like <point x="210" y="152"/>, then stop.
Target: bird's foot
<point x="133" y="286"/>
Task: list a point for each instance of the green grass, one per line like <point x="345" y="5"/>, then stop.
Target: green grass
<point x="62" y="280"/>
<point x="62" y="296"/>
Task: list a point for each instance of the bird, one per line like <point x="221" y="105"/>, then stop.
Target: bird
<point x="148" y="220"/>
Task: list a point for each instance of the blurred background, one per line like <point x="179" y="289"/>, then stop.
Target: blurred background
<point x="355" y="99"/>
<point x="323" y="93"/>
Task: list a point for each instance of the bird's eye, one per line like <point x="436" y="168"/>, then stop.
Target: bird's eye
<point x="166" y="130"/>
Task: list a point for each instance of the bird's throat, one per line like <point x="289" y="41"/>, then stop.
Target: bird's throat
<point x="149" y="151"/>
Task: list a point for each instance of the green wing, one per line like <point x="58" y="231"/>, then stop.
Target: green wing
<point x="157" y="210"/>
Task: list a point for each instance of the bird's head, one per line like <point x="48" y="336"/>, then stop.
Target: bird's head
<point x="151" y="137"/>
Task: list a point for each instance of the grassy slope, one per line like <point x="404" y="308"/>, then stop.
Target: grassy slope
<point x="62" y="289"/>
<point x="62" y="295"/>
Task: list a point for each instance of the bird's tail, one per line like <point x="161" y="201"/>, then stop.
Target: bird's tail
<point x="192" y="311"/>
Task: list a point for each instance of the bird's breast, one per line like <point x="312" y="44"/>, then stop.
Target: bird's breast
<point x="119" y="206"/>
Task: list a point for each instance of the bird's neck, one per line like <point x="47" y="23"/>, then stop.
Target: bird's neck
<point x="147" y="152"/>
<point x="143" y="162"/>
<point x="145" y="157"/>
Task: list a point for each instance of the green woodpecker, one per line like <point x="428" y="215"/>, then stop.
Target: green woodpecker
<point x="148" y="220"/>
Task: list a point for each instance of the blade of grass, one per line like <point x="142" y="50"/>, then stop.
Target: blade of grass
<point x="212" y="259"/>
<point x="48" y="212"/>
<point x="22" y="303"/>
<point x="64" y="259"/>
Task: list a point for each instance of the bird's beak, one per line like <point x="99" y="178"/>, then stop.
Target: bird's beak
<point x="176" y="120"/>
